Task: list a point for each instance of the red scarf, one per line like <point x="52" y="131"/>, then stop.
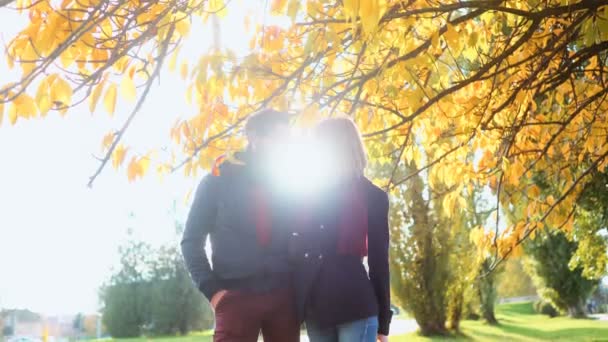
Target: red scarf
<point x="263" y="224"/>
<point x="352" y="221"/>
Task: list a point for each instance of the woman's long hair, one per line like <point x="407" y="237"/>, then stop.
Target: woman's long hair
<point x="341" y="140"/>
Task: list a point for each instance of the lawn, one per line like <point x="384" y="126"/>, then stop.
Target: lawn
<point x="194" y="337"/>
<point x="518" y="322"/>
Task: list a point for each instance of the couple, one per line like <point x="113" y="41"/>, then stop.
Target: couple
<point x="279" y="260"/>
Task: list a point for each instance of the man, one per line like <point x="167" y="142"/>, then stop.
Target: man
<point x="249" y="282"/>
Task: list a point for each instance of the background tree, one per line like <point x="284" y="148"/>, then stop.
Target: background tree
<point x="435" y="275"/>
<point x="419" y="259"/>
<point x="152" y="293"/>
<point x="483" y="273"/>
<point x="177" y="306"/>
<point x="565" y="288"/>
<point x="487" y="291"/>
<point x="591" y="228"/>
<point x="513" y="281"/>
<point x="557" y="274"/>
<point x="126" y="297"/>
<point x="463" y="294"/>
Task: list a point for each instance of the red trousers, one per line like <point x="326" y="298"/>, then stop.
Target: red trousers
<point x="240" y="316"/>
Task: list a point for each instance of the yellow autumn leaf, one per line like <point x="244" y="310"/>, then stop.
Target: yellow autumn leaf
<point x="451" y="35"/>
<point x="189" y="95"/>
<point x="188" y="169"/>
<point x="184" y="70"/>
<point x="292" y="9"/>
<point x="449" y="205"/>
<point x="144" y="165"/>
<point x="138" y="167"/>
<point x="369" y="12"/>
<point x="534" y="191"/>
<point x="277" y="6"/>
<point x="94" y="98"/>
<point x="127" y="88"/>
<point x="218" y="7"/>
<point x="108" y="139"/>
<point x="43" y="88"/>
<point x="183" y="27"/>
<point x="26" y="107"/>
<point x="351" y="7"/>
<point x="476" y="235"/>
<point x="109" y="100"/>
<point x="550" y="200"/>
<point x="67" y="58"/>
<point x="44" y="105"/>
<point x="121" y="64"/>
<point x="10" y="61"/>
<point x="118" y="156"/>
<point x="173" y="59"/>
<point x="12" y="113"/>
<point x="132" y="169"/>
<point x="43" y="99"/>
<point x="61" y="92"/>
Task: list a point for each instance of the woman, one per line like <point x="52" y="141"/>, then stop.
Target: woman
<point x="337" y="298"/>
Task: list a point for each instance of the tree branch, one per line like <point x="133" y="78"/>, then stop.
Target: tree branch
<point x="121" y="132"/>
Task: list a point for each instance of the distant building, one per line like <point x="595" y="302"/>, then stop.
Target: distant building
<point x="27" y="323"/>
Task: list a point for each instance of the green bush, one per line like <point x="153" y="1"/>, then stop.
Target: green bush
<point x="545" y="308"/>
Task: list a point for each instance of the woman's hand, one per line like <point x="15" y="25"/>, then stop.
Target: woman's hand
<point x="382" y="338"/>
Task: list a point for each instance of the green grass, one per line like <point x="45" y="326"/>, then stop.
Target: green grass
<point x="518" y="322"/>
<point x="205" y="336"/>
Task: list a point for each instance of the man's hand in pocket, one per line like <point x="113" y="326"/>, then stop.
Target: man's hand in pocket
<point x="215" y="300"/>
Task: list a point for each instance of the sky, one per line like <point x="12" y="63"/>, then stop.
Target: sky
<point x="59" y="238"/>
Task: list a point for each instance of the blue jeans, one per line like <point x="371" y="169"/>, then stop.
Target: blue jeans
<point x="364" y="330"/>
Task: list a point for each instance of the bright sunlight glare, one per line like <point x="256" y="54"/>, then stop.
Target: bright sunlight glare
<point x="302" y="166"/>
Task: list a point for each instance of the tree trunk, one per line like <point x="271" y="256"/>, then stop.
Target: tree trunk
<point x="488" y="316"/>
<point x="576" y="310"/>
<point x="433" y="328"/>
<point x="455" y="311"/>
<point x="486" y="290"/>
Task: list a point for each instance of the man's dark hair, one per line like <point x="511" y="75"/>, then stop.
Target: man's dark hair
<point x="262" y="122"/>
